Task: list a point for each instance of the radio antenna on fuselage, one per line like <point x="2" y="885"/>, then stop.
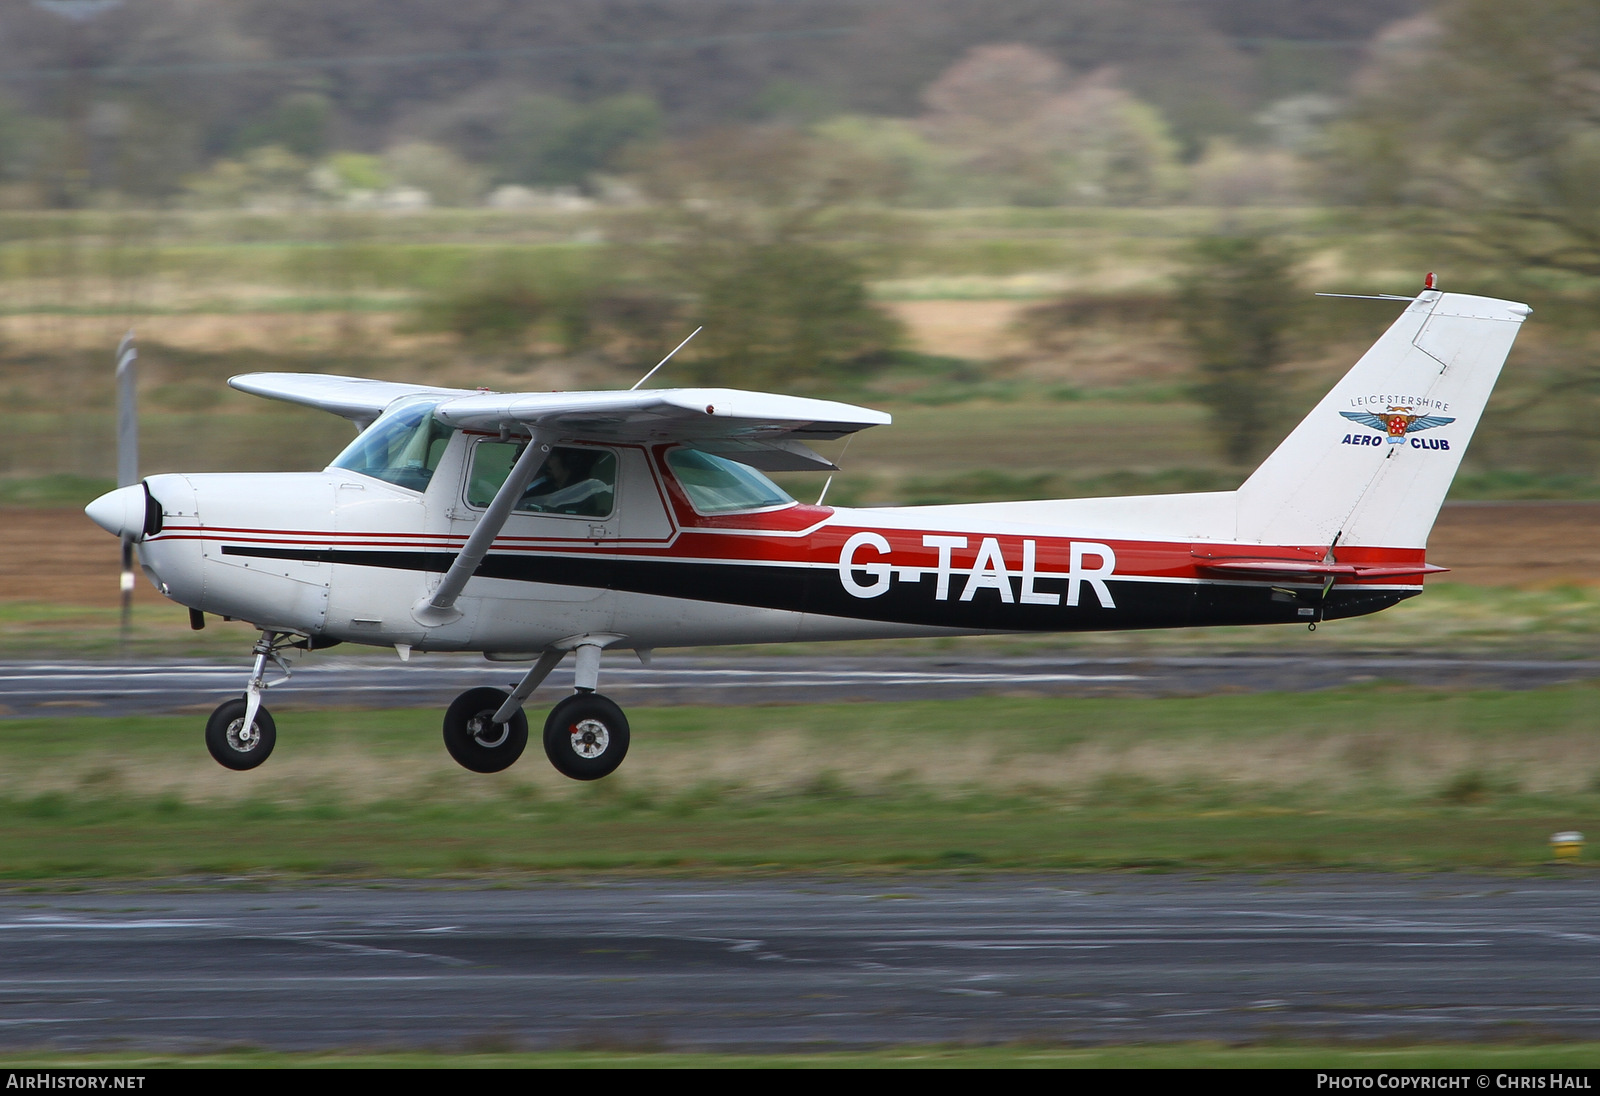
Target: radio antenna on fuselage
<point x="668" y="358"/>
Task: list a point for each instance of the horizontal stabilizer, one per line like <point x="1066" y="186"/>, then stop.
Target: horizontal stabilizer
<point x="1294" y="568"/>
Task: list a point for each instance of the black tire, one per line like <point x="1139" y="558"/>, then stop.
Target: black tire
<point x="230" y="746"/>
<point x="478" y="744"/>
<point x="586" y="736"/>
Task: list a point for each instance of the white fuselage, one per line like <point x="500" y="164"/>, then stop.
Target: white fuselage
<point x="639" y="517"/>
<point x="342" y="556"/>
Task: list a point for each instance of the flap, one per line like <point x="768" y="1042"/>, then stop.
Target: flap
<point x="781" y="455"/>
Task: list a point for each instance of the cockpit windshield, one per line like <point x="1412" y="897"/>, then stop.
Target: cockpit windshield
<point x="717" y="485"/>
<point x="403" y="447"/>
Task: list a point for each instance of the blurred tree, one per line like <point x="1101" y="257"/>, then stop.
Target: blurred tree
<point x="344" y="174"/>
<point x="269" y="176"/>
<point x="787" y="313"/>
<point x="298" y="123"/>
<point x="1206" y="64"/>
<point x="152" y="153"/>
<point x="1021" y="131"/>
<point x="493" y="309"/>
<point x="767" y="232"/>
<point x="1238" y="303"/>
<point x="552" y="142"/>
<point x="991" y="85"/>
<point x="922" y="173"/>
<point x="24" y="144"/>
<point x="448" y="179"/>
<point x="295" y="73"/>
<point x="1479" y="127"/>
<point x="1483" y="119"/>
<point x="533" y="125"/>
<point x="784" y="100"/>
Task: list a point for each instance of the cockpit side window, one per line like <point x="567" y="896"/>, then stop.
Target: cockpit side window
<point x="403" y="447"/>
<point x="717" y="485"/>
<point x="580" y="482"/>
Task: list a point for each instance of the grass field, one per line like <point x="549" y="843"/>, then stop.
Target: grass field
<point x="1378" y="778"/>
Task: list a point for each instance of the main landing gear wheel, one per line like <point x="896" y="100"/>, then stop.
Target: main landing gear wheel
<point x="234" y="745"/>
<point x="586" y="736"/>
<point x="475" y="741"/>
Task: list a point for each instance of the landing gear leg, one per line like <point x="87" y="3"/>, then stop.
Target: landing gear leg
<point x="586" y="735"/>
<point x="241" y="733"/>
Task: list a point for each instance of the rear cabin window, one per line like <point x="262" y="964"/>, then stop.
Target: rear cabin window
<point x="717" y="485"/>
<point x="403" y="447"/>
<point x="581" y="482"/>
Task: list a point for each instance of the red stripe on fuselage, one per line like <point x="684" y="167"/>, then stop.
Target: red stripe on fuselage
<point x="1005" y="554"/>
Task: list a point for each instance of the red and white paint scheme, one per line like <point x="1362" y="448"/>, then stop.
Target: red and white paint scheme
<point x="529" y="525"/>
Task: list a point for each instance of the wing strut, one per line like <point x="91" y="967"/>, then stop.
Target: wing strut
<point x="549" y="659"/>
<point x="441" y="607"/>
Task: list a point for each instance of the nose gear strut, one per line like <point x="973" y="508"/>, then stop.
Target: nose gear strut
<point x="240" y="733"/>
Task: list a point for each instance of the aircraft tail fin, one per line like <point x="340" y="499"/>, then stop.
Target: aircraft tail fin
<point x="1372" y="462"/>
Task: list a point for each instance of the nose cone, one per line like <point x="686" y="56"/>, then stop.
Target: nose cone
<point x="119" y="512"/>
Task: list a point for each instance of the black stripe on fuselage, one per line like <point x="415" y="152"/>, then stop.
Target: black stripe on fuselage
<point x="1139" y="604"/>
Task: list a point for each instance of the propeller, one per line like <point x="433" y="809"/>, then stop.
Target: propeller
<point x="127" y="461"/>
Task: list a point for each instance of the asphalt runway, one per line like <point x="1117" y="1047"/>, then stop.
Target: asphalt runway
<point x="322" y="681"/>
<point x="805" y="963"/>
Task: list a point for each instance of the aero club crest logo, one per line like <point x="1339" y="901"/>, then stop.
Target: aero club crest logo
<point x="1394" y="424"/>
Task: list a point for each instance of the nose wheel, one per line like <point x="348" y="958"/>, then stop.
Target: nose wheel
<point x="240" y="733"/>
<point x="236" y="744"/>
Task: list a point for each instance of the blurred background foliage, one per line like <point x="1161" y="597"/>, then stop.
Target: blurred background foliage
<point x="1091" y="225"/>
<point x="1237" y="304"/>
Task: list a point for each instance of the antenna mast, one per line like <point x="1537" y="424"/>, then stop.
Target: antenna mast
<point x="668" y="358"/>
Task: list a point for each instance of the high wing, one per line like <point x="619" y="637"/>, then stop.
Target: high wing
<point x="356" y="398"/>
<point x="761" y="429"/>
<point x="663" y="414"/>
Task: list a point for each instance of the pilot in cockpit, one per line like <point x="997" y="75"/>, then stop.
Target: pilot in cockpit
<point x="566" y="485"/>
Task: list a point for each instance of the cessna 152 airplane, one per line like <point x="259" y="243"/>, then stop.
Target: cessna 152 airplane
<point x="529" y="525"/>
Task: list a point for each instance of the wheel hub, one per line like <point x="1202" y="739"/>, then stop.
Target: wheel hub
<point x="590" y="738"/>
<point x="486" y="732"/>
<point x="241" y="738"/>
